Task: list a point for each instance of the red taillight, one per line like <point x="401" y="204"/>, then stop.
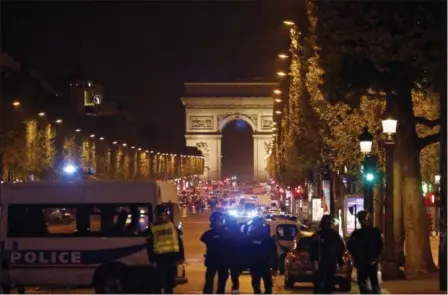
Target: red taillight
<point x="346" y="257"/>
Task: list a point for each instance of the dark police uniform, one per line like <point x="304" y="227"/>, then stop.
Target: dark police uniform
<point x="365" y="245"/>
<point x="166" y="249"/>
<point x="238" y="247"/>
<point x="216" y="257"/>
<point x="262" y="257"/>
<point x="327" y="249"/>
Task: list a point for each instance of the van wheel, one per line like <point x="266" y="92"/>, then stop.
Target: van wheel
<point x="110" y="282"/>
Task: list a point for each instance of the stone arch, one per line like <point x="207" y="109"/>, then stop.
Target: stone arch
<point x="209" y="107"/>
<point x="229" y="118"/>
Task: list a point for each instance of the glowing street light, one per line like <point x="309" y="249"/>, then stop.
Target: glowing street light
<point x="278" y="100"/>
<point x="282" y="56"/>
<point x="278" y="112"/>
<point x="41" y="114"/>
<point x="69" y="169"/>
<point x="124" y="144"/>
<point x="78" y="130"/>
<point x="288" y="23"/>
<point x="281" y="74"/>
<point x="365" y="141"/>
<point x="92" y="135"/>
<point x="115" y="142"/>
<point x="59" y="121"/>
<point x="277" y="91"/>
<point x="139" y="149"/>
<point x="16" y="103"/>
<point x="101" y="138"/>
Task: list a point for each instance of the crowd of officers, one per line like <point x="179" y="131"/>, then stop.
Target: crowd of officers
<point x="230" y="251"/>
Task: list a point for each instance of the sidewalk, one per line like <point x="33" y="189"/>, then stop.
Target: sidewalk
<point x="421" y="286"/>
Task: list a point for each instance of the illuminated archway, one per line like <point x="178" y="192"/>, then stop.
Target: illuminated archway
<point x="209" y="107"/>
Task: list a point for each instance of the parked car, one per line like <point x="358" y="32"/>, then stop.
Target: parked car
<point x="298" y="267"/>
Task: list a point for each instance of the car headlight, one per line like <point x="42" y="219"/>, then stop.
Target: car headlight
<point x="233" y="212"/>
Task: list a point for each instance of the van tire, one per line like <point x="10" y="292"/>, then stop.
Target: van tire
<point x="110" y="281"/>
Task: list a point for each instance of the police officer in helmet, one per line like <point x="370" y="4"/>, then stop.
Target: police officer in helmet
<point x="365" y="245"/>
<point x="238" y="245"/>
<point x="216" y="242"/>
<point x="262" y="255"/>
<point x="326" y="252"/>
<point x="165" y="248"/>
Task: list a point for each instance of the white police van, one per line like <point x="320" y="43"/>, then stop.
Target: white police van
<point x="88" y="233"/>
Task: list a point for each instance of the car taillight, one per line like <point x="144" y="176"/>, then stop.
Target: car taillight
<point x="346" y="257"/>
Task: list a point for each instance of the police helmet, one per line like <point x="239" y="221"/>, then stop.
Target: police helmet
<point x="364" y="216"/>
<point x="217" y="219"/>
<point x="327" y="221"/>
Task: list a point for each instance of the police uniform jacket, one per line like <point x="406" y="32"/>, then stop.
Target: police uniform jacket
<point x="217" y="247"/>
<point x="365" y="245"/>
<point x="154" y="257"/>
<point x="238" y="249"/>
<point x="327" y="248"/>
<point x="262" y="251"/>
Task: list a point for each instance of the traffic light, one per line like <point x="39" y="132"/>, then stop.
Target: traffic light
<point x="370" y="169"/>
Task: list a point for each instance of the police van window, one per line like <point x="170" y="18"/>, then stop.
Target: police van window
<point x="286" y="232"/>
<point x="78" y="220"/>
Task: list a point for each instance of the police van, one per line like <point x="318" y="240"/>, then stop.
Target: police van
<point x="88" y="233"/>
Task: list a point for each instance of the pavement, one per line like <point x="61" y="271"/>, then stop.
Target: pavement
<point x="195" y="225"/>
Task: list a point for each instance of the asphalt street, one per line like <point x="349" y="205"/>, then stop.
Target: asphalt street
<point x="194" y="226"/>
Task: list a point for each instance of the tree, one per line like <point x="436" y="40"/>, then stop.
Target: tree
<point x="388" y="47"/>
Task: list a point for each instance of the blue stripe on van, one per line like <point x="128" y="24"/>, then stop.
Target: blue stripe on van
<point x="64" y="257"/>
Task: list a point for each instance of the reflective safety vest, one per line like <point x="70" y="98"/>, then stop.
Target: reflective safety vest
<point x="165" y="238"/>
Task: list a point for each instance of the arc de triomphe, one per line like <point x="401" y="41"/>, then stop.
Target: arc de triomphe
<point x="210" y="106"/>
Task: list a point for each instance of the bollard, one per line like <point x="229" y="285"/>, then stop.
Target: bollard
<point x="184" y="212"/>
<point x="193" y="210"/>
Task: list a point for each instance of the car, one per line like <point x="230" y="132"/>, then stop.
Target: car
<point x="298" y="267"/>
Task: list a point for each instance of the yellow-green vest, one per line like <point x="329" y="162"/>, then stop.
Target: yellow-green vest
<point x="165" y="238"/>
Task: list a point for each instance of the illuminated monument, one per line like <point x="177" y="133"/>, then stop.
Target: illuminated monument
<point x="210" y="106"/>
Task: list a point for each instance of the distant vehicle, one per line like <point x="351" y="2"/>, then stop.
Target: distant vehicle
<point x="102" y="236"/>
<point x="298" y="266"/>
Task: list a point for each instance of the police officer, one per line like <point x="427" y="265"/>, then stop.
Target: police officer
<point x="238" y="247"/>
<point x="216" y="255"/>
<point x="326" y="252"/>
<point x="165" y="248"/>
<point x="262" y="255"/>
<point x="365" y="245"/>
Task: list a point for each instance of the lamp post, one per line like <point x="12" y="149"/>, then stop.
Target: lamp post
<point x="365" y="144"/>
<point x="390" y="268"/>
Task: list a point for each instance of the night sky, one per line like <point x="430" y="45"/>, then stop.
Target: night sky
<point x="143" y="52"/>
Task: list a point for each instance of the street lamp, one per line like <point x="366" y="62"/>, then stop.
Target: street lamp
<point x="365" y="141"/>
<point x="278" y="112"/>
<point x="389" y="127"/>
<point x="278" y="100"/>
<point x="277" y="91"/>
<point x="282" y="56"/>
<point x="289" y="23"/>
<point x="281" y="74"/>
